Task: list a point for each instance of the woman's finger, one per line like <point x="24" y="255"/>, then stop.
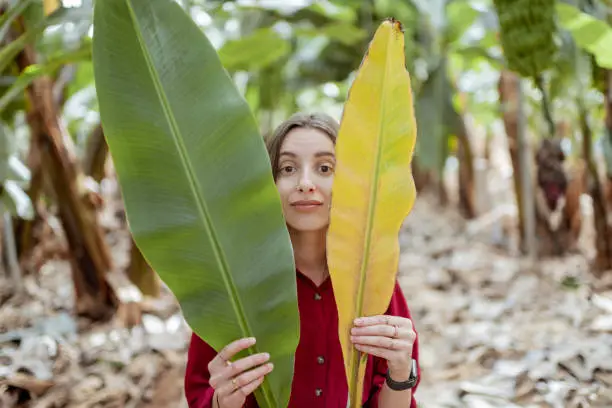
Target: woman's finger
<point x="376" y="329"/>
<point x="236" y="368"/>
<point x="393" y="332"/>
<point x="237" y="398"/>
<point x="381" y="352"/>
<point x="383" y="319"/>
<point x="228" y="352"/>
<point x="244" y="364"/>
<point x="382" y="330"/>
<point x="382" y="342"/>
<point x="250" y="387"/>
<point x="234" y="384"/>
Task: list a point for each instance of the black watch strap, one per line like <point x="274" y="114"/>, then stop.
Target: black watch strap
<point x="403" y="385"/>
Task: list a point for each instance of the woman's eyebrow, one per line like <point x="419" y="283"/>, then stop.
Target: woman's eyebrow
<point x="317" y="154"/>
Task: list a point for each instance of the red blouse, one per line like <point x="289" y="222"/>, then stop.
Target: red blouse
<point x="319" y="378"/>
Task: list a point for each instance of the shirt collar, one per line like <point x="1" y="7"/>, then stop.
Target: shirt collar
<point x="325" y="285"/>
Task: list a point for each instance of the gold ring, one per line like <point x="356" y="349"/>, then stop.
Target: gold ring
<point x="235" y="383"/>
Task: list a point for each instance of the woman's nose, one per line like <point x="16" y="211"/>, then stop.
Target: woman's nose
<point x="305" y="186"/>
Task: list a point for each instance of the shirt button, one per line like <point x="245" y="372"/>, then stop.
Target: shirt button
<point x="317" y="296"/>
<point x="318" y="392"/>
<point x="320" y="359"/>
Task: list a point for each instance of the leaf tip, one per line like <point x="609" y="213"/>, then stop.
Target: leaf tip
<point x="395" y="24"/>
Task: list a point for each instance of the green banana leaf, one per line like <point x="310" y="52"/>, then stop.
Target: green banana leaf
<point x="10" y="15"/>
<point x="429" y="111"/>
<point x="61" y="15"/>
<point x="261" y="49"/>
<point x="590" y="34"/>
<point x="344" y="32"/>
<point x="37" y="70"/>
<point x="438" y="119"/>
<point x="196" y="181"/>
<point x="460" y="16"/>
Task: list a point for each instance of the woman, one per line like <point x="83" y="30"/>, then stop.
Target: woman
<point x="302" y="156"/>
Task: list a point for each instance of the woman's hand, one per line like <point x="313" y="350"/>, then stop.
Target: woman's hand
<point x="388" y="337"/>
<point x="234" y="381"/>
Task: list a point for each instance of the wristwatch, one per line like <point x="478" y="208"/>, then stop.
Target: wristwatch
<point x="404" y="385"/>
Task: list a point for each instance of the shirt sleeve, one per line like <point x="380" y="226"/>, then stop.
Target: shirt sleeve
<point x="198" y="391"/>
<point x="397" y="307"/>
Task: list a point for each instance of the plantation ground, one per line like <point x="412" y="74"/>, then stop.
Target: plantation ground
<point x="495" y="330"/>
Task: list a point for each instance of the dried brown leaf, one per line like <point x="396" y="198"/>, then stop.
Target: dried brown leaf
<point x="33" y="385"/>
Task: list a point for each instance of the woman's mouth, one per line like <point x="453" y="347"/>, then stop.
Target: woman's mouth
<point x="306" y="205"/>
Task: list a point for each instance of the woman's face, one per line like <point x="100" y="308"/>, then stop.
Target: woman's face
<point x="305" y="174"/>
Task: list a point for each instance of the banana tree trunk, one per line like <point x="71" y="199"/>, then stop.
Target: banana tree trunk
<point x="608" y="96"/>
<point x="9" y="252"/>
<point x="96" y="154"/>
<point x="508" y="92"/>
<point x="24" y="229"/>
<point x="608" y="122"/>
<point x="467" y="176"/>
<point x="603" y="260"/>
<point x="487" y="146"/>
<point x="90" y="256"/>
<point x="527" y="186"/>
<point x="422" y="178"/>
<point x="141" y="274"/>
<point x="441" y="185"/>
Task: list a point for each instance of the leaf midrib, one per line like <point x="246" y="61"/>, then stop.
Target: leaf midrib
<point x="371" y="207"/>
<point x="197" y="192"/>
<point x="374" y="187"/>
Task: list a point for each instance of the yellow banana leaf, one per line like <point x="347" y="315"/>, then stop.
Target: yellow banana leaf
<point x="373" y="190"/>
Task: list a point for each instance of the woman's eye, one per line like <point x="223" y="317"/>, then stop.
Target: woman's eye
<point x="326" y="169"/>
<point x="287" y="169"/>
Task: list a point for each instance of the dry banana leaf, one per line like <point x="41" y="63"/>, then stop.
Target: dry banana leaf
<point x="373" y="190"/>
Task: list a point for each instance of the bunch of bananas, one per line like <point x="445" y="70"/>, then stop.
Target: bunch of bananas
<point x="527" y="31"/>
